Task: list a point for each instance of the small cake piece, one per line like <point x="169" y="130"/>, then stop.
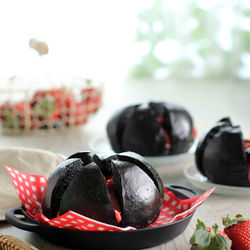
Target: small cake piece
<point x="121" y="189"/>
<point x="151" y="129"/>
<point x="222" y="155"/>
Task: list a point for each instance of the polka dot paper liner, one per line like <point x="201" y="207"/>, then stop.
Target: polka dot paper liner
<point x="31" y="187"/>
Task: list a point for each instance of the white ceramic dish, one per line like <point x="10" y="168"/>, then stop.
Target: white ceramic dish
<point x="201" y="182"/>
<point x="101" y="145"/>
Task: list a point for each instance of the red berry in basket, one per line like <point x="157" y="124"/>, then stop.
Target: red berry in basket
<point x="75" y="115"/>
<point x="6" y="111"/>
<point x="53" y="105"/>
<point x="23" y="113"/>
<point x="60" y="95"/>
<point x="18" y="115"/>
<point x="238" y="230"/>
<point x="80" y="113"/>
<point x="54" y="100"/>
<point x="91" y="97"/>
<point x="209" y="238"/>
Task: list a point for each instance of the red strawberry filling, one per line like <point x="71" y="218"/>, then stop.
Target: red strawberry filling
<point x="247" y="151"/>
<point x="115" y="202"/>
<point x="166" y="134"/>
<point x="195" y="133"/>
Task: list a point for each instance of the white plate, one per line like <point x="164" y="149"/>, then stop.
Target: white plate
<point x="201" y="182"/>
<point x="102" y="145"/>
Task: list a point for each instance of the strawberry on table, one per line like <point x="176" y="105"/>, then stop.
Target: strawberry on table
<point x="238" y="230"/>
<point x="209" y="238"/>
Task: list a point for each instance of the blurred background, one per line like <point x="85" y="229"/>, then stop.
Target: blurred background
<point x="195" y="53"/>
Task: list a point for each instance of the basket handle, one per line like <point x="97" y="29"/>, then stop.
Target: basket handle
<point x="39" y="46"/>
<point x="19" y="222"/>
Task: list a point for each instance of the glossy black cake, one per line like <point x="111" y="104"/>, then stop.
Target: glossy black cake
<point x="151" y="129"/>
<point x="121" y="189"/>
<point x="223" y="156"/>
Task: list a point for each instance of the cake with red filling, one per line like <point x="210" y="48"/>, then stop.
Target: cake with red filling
<point x="223" y="156"/>
<point x="121" y="189"/>
<point x="151" y="129"/>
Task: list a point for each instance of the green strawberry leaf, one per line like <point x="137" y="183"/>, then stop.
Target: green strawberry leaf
<point x="46" y="107"/>
<point x="214" y="229"/>
<point x="200" y="225"/>
<point x="202" y="238"/>
<point x="224" y="242"/>
<point x="88" y="81"/>
<point x="192" y="239"/>
<point x="228" y="222"/>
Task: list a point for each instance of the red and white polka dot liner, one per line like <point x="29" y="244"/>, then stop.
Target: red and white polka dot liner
<point x="30" y="188"/>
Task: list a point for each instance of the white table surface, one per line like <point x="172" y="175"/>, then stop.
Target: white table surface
<point x="208" y="102"/>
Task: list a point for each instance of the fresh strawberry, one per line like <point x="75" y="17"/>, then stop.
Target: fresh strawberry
<point x="6" y="115"/>
<point x="80" y="113"/>
<point x="60" y="95"/>
<point x="6" y="110"/>
<point x="91" y="97"/>
<point x="238" y="230"/>
<point x="53" y="100"/>
<point x="23" y="113"/>
<point x="18" y="115"/>
<point x="209" y="238"/>
<point x="75" y="115"/>
<point x="52" y="105"/>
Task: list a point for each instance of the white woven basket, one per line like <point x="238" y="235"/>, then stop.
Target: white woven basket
<point x="44" y="104"/>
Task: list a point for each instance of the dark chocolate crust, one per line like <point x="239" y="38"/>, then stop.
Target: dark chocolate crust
<point x="137" y="128"/>
<point x="57" y="183"/>
<point x="87" y="194"/>
<point x="140" y="191"/>
<point x="79" y="184"/>
<point x="220" y="155"/>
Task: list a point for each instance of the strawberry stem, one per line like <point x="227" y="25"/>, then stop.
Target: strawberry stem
<point x="228" y="222"/>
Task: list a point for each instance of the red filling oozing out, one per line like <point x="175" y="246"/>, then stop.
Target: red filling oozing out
<point x="166" y="134"/>
<point x="115" y="203"/>
<point x="247" y="150"/>
<point x="195" y="133"/>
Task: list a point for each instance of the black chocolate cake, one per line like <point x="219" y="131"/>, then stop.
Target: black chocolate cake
<point x="151" y="129"/>
<point x="223" y="156"/>
<point x="121" y="189"/>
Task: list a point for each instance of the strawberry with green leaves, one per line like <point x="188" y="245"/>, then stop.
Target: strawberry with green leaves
<point x="238" y="230"/>
<point x="91" y="97"/>
<point x="16" y="115"/>
<point x="209" y="238"/>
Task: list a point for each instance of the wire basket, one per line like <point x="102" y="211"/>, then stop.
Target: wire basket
<point x="45" y="104"/>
